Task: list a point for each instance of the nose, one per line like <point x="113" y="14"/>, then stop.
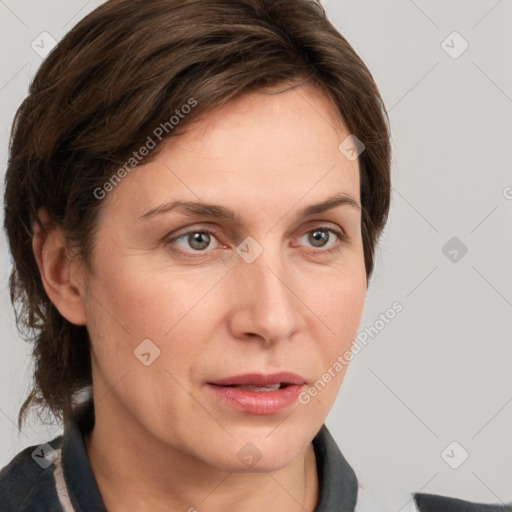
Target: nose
<point x="265" y="303"/>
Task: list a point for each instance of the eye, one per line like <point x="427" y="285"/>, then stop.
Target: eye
<point x="196" y="240"/>
<point x="320" y="236"/>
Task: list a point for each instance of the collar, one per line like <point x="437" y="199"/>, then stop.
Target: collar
<point x="81" y="485"/>
<point x="337" y="482"/>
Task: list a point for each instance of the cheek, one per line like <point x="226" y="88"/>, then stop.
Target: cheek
<point x="341" y="303"/>
<point x="349" y="304"/>
<point x="134" y="319"/>
<point x="127" y="305"/>
<point x="343" y="296"/>
<point x="128" y="299"/>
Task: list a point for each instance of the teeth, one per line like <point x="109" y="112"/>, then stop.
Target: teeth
<point x="268" y="387"/>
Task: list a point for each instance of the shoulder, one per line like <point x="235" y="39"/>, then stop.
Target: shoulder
<point x="421" y="502"/>
<point x="436" y="503"/>
<point x="27" y="481"/>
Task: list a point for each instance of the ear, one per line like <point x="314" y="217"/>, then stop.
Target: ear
<point x="58" y="270"/>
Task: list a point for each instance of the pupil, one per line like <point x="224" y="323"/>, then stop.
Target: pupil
<point x="323" y="236"/>
<point x="202" y="239"/>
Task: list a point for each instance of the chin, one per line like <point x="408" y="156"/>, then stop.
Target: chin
<point x="253" y="461"/>
<point x="270" y="448"/>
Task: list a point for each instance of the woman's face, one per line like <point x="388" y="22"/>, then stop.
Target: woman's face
<point x="185" y="296"/>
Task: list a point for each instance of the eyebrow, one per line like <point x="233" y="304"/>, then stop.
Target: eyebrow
<point x="222" y="212"/>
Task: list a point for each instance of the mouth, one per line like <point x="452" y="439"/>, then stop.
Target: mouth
<point x="261" y="380"/>
<point x="252" y="387"/>
<point x="258" y="393"/>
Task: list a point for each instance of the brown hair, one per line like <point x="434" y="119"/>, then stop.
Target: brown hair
<point x="117" y="75"/>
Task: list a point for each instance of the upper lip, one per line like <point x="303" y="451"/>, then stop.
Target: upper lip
<point x="260" y="379"/>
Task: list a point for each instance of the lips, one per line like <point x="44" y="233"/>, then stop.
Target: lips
<point x="257" y="393"/>
<point x="273" y="381"/>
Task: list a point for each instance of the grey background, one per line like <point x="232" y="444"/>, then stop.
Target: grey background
<point x="440" y="370"/>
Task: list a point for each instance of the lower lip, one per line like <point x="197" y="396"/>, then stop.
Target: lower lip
<point x="257" y="402"/>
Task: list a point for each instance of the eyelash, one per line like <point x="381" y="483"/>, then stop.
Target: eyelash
<point x="339" y="234"/>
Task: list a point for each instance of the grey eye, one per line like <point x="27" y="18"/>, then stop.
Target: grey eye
<point x="318" y="237"/>
<point x="198" y="240"/>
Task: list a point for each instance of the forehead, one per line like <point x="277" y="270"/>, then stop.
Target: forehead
<point x="255" y="118"/>
<point x="264" y="147"/>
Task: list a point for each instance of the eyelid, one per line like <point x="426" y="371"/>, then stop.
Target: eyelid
<point x="192" y="228"/>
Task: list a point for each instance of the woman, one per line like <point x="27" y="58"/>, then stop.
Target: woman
<point x="193" y="199"/>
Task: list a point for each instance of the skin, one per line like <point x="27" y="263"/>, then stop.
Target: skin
<point x="161" y="441"/>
